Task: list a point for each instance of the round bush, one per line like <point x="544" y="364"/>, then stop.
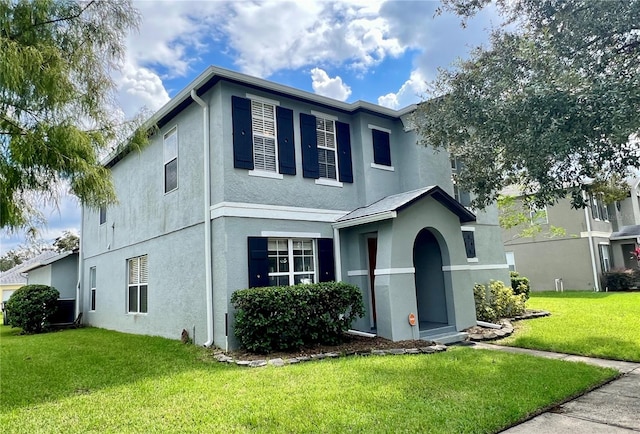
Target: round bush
<point x="31" y="307"/>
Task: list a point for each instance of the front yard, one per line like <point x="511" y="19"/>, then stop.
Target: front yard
<point x="596" y="324"/>
<point x="92" y="380"/>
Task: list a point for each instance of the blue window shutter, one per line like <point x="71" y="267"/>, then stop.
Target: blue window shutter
<point x="242" y="133"/>
<point x="326" y="266"/>
<point x="286" y="146"/>
<point x="309" y="146"/>
<point x="344" y="152"/>
<point x="381" y="147"/>
<point x="469" y="243"/>
<point x="258" y="262"/>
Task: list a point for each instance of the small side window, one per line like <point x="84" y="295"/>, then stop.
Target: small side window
<point x="103" y="215"/>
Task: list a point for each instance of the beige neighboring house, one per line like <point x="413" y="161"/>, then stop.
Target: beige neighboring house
<point x="16" y="277"/>
<point x="598" y="238"/>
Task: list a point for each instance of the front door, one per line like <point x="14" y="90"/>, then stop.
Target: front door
<point x="430" y="288"/>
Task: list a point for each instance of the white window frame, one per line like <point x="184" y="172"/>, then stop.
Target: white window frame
<point x="597" y="204"/>
<point x="290" y="258"/>
<point x="511" y="260"/>
<point x="454" y="171"/>
<point x="538" y="219"/>
<point x="321" y="117"/>
<point x="92" y="291"/>
<point x="256" y="119"/>
<point x="605" y="259"/>
<point x="141" y="280"/>
<point x="169" y="158"/>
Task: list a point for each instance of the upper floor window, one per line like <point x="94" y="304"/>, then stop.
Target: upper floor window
<point x="537" y="215"/>
<point x="327" y="152"/>
<point x="171" y="160"/>
<point x="137" y="284"/>
<point x="262" y="137"/>
<point x="599" y="209"/>
<point x="103" y="214"/>
<point x="263" y="124"/>
<point x="461" y="196"/>
<point x="381" y="146"/>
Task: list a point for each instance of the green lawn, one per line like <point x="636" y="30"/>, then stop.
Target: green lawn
<point x="597" y="324"/>
<point x="93" y="380"/>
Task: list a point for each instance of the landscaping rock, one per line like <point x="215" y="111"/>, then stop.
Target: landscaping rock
<point x="276" y="362"/>
<point x="257" y="363"/>
<point x="378" y="352"/>
<point x="396" y="351"/>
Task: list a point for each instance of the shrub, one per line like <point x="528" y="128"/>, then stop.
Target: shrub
<point x="498" y="302"/>
<point x="621" y="280"/>
<point x="520" y="284"/>
<point x="288" y="317"/>
<point x="31" y="308"/>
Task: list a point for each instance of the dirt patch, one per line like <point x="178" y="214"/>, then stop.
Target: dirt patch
<point x="352" y="345"/>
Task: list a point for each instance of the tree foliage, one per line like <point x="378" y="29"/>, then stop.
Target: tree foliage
<point x="66" y="242"/>
<point x="57" y="111"/>
<point x="551" y="105"/>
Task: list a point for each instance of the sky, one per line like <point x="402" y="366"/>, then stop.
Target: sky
<point x="383" y="52"/>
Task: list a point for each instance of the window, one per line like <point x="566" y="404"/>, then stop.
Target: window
<point x="469" y="244"/>
<point x="291" y="261"/>
<point x="599" y="210"/>
<point x="538" y="216"/>
<point x="92" y="284"/>
<point x="327" y="159"/>
<point x="381" y="146"/>
<point x="171" y="160"/>
<point x="511" y="260"/>
<point x="137" y="284"/>
<point x="460" y="195"/>
<point x="605" y="257"/>
<point x="103" y="215"/>
<point x="263" y="124"/>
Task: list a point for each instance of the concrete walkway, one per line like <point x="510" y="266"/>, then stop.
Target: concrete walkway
<point x="612" y="408"/>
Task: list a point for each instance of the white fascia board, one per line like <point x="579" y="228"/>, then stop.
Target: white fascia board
<point x="274" y="212"/>
<point x="366" y="219"/>
<point x="596" y="234"/>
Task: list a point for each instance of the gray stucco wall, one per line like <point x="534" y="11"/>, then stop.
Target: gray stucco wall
<point x="40" y="276"/>
<point x="64" y="276"/>
<point x="169" y="227"/>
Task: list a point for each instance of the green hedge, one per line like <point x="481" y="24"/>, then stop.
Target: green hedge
<point x="497" y="302"/>
<point x="31" y="308"/>
<point x="288" y="317"/>
<point x="621" y="280"/>
<point x="520" y="284"/>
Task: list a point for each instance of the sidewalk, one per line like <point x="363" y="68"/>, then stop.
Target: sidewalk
<point x="612" y="408"/>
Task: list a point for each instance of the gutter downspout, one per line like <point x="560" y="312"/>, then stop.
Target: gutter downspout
<point x="596" y="285"/>
<point x="336" y="254"/>
<point x="207" y="214"/>
<point x="80" y="262"/>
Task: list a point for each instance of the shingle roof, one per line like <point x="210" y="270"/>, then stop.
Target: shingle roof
<point x="14" y="275"/>
<point x="626" y="232"/>
<point x="398" y="202"/>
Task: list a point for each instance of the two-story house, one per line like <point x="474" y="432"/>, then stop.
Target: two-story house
<point x="596" y="239"/>
<point x="249" y="183"/>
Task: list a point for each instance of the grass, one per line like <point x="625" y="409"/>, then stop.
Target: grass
<point x="596" y="324"/>
<point x="93" y="380"/>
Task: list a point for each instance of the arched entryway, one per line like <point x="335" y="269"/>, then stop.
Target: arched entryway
<point x="430" y="285"/>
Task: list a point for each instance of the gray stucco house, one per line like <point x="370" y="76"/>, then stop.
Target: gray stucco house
<point x="250" y="183"/>
<point x="598" y="239"/>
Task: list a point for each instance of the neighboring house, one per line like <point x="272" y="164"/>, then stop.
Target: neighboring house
<point x="249" y="183"/>
<point x="15" y="277"/>
<point x="61" y="272"/>
<point x="598" y="238"/>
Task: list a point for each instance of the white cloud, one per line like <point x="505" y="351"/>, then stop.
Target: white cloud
<point x="326" y="86"/>
<point x="140" y="87"/>
<point x="409" y="93"/>
<point x="271" y="36"/>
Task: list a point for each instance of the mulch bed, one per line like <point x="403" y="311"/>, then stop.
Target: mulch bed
<point x="352" y="345"/>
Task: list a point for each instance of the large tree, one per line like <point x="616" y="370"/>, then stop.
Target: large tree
<point x="551" y="105"/>
<point x="57" y="111"/>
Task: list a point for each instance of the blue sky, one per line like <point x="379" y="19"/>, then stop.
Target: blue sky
<point x="377" y="51"/>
